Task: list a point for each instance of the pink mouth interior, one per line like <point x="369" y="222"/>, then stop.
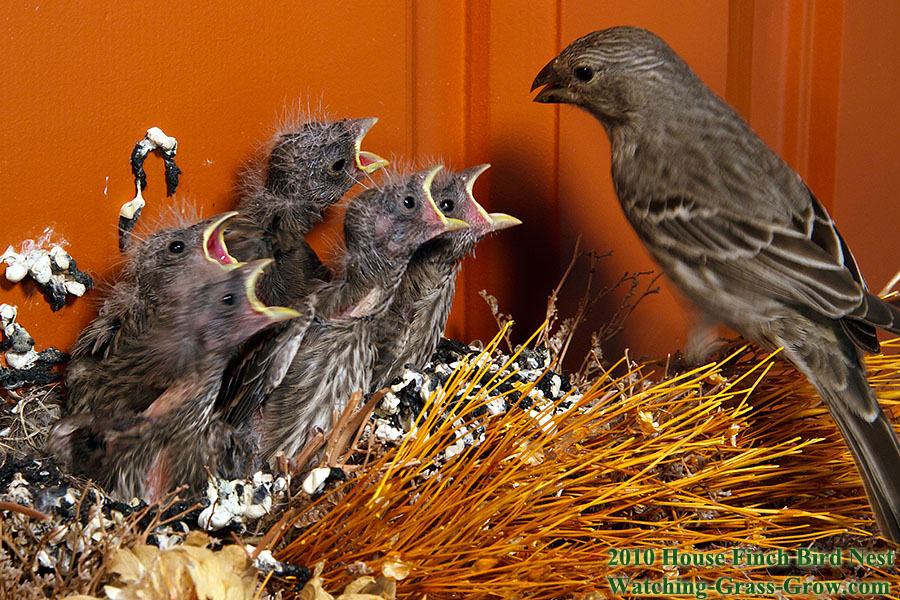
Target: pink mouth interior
<point x="217" y="249"/>
<point x="365" y="161"/>
<point x="476" y="219"/>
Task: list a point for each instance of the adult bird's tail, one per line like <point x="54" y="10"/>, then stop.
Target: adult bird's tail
<point x="867" y="431"/>
<point x="876" y="451"/>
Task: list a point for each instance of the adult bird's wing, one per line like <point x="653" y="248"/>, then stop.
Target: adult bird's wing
<point x="804" y="261"/>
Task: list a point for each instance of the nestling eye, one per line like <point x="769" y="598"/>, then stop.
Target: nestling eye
<point x="409" y="202"/>
<point x="338" y="165"/>
<point x="228" y="299"/>
<point x="583" y="73"/>
<point x="446" y="206"/>
<point x="176" y="247"/>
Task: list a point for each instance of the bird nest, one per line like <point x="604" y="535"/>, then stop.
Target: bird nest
<point x="490" y="474"/>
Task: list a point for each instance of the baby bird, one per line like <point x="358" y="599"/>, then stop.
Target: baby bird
<point x="308" y="170"/>
<point x="306" y="381"/>
<point x="148" y="281"/>
<point x="421" y="305"/>
<point x="162" y="432"/>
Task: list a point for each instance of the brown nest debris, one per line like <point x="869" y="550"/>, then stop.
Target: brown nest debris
<point x="485" y="473"/>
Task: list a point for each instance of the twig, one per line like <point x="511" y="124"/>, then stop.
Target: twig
<point x="348" y="424"/>
<point x="504" y="322"/>
<point x="25" y="510"/>
<point x="890" y="284"/>
<point x="616" y="323"/>
<point x="312" y="446"/>
<point x="274" y="534"/>
<point x="368" y="409"/>
<point x="554" y="296"/>
<point x="584" y="306"/>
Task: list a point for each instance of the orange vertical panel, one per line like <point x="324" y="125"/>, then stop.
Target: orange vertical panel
<point x="796" y="58"/>
<point x="823" y="96"/>
<point x="868" y="139"/>
<point x="465" y="322"/>
<point x="476" y="37"/>
<point x="439" y="92"/>
<point x="510" y="43"/>
<point x="796" y="80"/>
<point x="438" y="84"/>
<point x="698" y="31"/>
<point x="768" y="77"/>
<point x="738" y="88"/>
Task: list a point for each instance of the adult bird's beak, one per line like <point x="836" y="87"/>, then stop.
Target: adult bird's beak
<point x="367" y="162"/>
<point x="273" y="313"/>
<point x="555" y="89"/>
<point x="214" y="248"/>
<point x="435" y="216"/>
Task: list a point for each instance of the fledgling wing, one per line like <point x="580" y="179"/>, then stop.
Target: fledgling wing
<point x="260" y="368"/>
<point x="151" y="423"/>
<point x="383" y="227"/>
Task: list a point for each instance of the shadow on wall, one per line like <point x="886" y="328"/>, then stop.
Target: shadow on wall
<point x="522" y="266"/>
<point x="519" y="266"/>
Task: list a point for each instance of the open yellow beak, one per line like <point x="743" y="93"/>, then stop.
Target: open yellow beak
<point x="214" y="241"/>
<point x="367" y="162"/>
<point x="274" y="313"/>
<point x="493" y="221"/>
<point x="445" y="223"/>
<point x="472" y="174"/>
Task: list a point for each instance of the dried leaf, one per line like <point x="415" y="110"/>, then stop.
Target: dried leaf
<point x="187" y="571"/>
<point x="394" y="568"/>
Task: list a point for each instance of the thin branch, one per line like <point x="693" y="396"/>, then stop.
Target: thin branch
<point x="890" y="285"/>
<point x="550" y="317"/>
<point x="24" y="510"/>
<point x="502" y="320"/>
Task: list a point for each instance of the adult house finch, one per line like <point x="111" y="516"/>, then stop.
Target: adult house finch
<point x="146" y="283"/>
<point x="737" y="230"/>
<point x="162" y="435"/>
<point x="308" y="170"/>
<point x="305" y="382"/>
<point x="421" y="305"/>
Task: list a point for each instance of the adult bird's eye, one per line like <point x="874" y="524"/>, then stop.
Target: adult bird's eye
<point x="176" y="247"/>
<point x="446" y="206"/>
<point x="583" y="73"/>
<point x="409" y="202"/>
<point x="338" y="165"/>
<point x="228" y="299"/>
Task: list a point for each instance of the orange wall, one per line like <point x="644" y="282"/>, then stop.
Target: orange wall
<point x="867" y="169"/>
<point x="446" y="79"/>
